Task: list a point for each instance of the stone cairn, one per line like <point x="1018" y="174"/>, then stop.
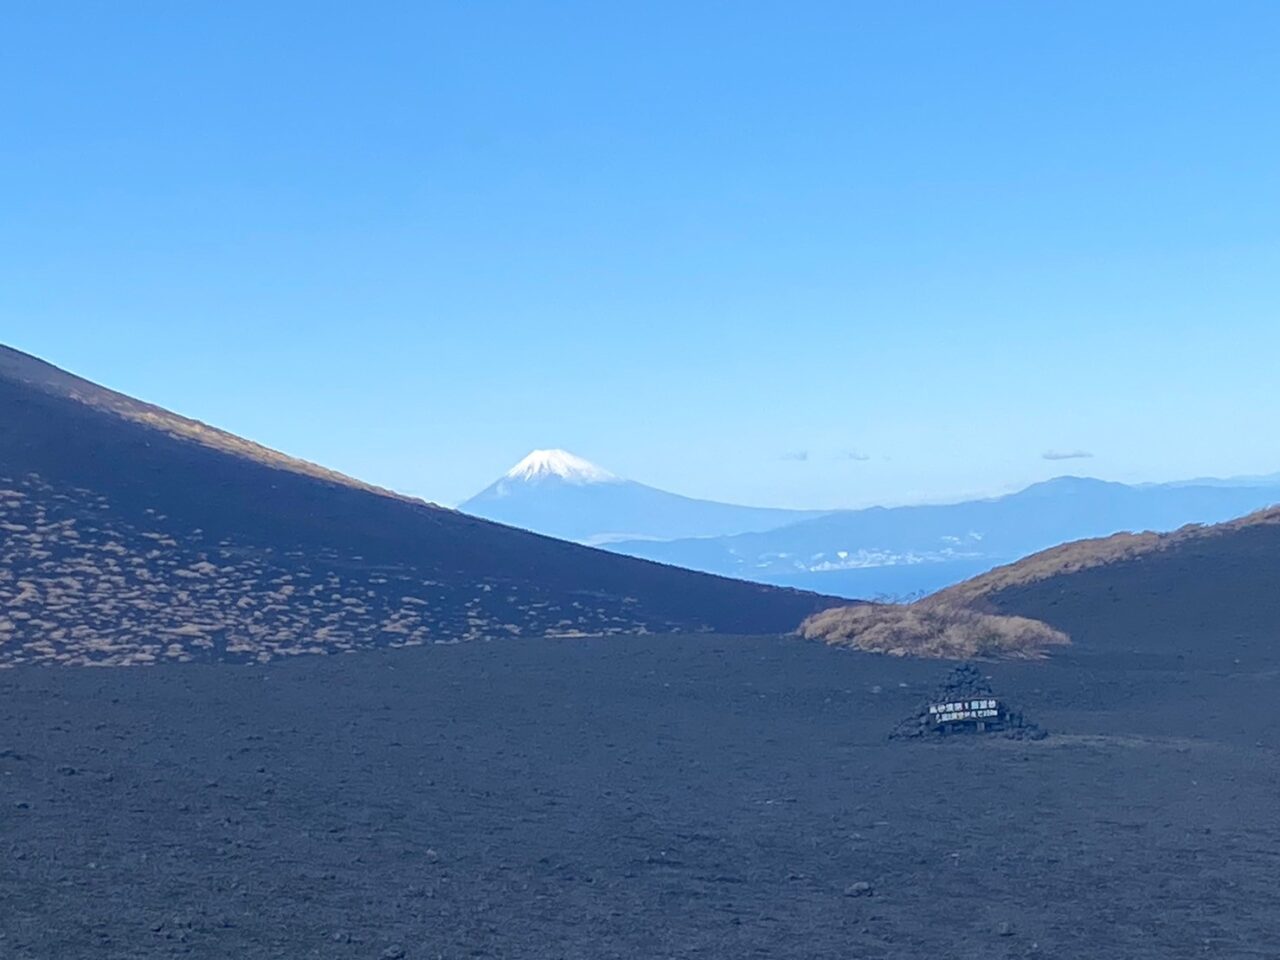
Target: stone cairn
<point x="966" y="682"/>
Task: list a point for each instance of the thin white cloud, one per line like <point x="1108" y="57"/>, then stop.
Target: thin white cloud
<point x="1066" y="455"/>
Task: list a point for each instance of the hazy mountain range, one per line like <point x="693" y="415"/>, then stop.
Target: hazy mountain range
<point x="897" y="551"/>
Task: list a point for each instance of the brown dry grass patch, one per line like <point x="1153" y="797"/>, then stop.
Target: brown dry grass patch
<point x="957" y="633"/>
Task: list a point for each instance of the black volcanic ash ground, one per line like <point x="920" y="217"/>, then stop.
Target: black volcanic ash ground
<point x="659" y="797"/>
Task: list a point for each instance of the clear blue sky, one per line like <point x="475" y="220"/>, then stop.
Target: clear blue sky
<point x="717" y="247"/>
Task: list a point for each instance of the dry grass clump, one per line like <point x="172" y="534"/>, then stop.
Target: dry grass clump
<point x="932" y="631"/>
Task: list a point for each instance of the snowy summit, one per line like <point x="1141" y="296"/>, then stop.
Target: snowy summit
<point x="554" y="493"/>
<point x="541" y="464"/>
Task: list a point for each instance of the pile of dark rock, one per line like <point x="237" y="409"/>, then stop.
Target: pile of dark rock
<point x="963" y="685"/>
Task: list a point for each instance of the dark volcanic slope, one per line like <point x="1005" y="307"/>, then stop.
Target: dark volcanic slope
<point x="1214" y="590"/>
<point x="1126" y="591"/>
<point x="131" y="535"/>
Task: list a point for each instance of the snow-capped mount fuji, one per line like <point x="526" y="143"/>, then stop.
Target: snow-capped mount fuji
<point x="560" y="465"/>
<point x="559" y="494"/>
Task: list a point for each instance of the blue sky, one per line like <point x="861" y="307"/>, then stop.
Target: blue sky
<point x="806" y="254"/>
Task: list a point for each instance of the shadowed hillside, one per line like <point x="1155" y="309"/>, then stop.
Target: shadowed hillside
<point x="132" y="535"/>
<point x="1131" y="588"/>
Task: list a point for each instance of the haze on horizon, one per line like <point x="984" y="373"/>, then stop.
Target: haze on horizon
<point x="836" y="257"/>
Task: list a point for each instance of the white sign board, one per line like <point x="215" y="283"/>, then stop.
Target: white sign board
<point x="983" y="708"/>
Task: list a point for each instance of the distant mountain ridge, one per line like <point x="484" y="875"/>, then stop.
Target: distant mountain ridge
<point x="556" y="493"/>
<point x="863" y="553"/>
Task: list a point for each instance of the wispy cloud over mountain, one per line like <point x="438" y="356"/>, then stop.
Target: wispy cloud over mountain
<point x="1066" y="455"/>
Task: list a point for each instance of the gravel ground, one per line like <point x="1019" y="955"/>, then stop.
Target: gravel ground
<point x="642" y="798"/>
